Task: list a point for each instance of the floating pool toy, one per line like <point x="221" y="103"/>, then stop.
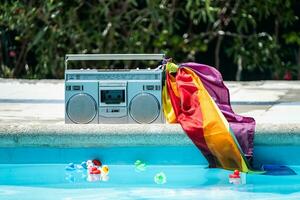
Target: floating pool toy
<point x="160" y="178"/>
<point x="105" y="169"/>
<point x="98" y="174"/>
<point x="97" y="162"/>
<point x="139" y="166"/>
<point x="84" y="165"/>
<point x="79" y="167"/>
<point x="70" y="167"/>
<point x="90" y="170"/>
<point x="235" y="178"/>
<point x="96" y="171"/>
<point x="89" y="164"/>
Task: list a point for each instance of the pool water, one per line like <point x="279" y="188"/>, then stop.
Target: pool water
<point x="39" y="173"/>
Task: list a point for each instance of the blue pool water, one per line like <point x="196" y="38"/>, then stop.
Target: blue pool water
<point x="39" y="173"/>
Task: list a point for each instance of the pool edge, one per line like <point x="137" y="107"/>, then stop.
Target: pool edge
<point x="64" y="135"/>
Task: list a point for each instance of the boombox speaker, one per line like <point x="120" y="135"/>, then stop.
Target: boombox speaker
<point x="113" y="96"/>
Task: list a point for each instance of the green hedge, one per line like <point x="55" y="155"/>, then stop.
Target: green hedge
<point x="241" y="38"/>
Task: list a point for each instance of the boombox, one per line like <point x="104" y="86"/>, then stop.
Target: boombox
<point x="113" y="96"/>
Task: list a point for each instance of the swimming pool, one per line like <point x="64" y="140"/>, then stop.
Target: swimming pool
<point x="39" y="173"/>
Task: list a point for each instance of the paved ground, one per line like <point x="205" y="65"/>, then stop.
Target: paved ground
<point x="40" y="102"/>
<point x="32" y="114"/>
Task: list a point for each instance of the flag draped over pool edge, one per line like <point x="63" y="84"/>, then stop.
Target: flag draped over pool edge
<point x="187" y="102"/>
<point x="242" y="127"/>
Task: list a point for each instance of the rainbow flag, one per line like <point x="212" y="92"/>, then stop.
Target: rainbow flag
<point x="242" y="127"/>
<point x="187" y="102"/>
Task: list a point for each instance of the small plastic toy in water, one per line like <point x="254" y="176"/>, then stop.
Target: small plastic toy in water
<point x="84" y="165"/>
<point x="95" y="171"/>
<point x="97" y="162"/>
<point x="79" y="167"/>
<point x="160" y="178"/>
<point x="89" y="164"/>
<point x="105" y="169"/>
<point x="92" y="169"/>
<point x="235" y="178"/>
<point x="70" y="167"/>
<point x="139" y="166"/>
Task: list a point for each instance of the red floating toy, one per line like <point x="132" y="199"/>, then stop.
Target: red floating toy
<point x="235" y="177"/>
<point x="92" y="169"/>
<point x="97" y="162"/>
<point x="95" y="172"/>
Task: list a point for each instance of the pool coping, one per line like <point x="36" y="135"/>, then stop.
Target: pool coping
<point x="103" y="135"/>
<point x="32" y="114"/>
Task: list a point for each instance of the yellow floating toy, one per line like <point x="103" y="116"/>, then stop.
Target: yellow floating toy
<point x="105" y="169"/>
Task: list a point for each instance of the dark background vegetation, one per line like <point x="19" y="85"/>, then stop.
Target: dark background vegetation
<point x="244" y="39"/>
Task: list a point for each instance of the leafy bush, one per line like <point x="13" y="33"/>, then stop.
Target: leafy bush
<point x="234" y="36"/>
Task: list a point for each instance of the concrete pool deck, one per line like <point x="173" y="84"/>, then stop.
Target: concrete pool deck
<point x="32" y="114"/>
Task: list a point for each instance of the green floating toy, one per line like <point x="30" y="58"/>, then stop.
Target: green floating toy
<point x="139" y="166"/>
<point x="160" y="178"/>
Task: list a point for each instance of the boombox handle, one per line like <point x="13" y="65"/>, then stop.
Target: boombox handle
<point x="74" y="57"/>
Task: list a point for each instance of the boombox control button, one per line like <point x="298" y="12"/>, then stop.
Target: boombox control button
<point x="112" y="110"/>
<point x="68" y="87"/>
<point x="150" y="87"/>
<point x="77" y="87"/>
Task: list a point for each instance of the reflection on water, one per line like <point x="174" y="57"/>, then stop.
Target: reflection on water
<point x="52" y="181"/>
<point x="216" y="193"/>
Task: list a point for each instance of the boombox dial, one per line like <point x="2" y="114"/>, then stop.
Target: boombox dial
<point x="144" y="108"/>
<point x="81" y="108"/>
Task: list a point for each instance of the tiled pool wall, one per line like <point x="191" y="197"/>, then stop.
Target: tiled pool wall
<point x="123" y="144"/>
<point x="155" y="155"/>
<point x="112" y="155"/>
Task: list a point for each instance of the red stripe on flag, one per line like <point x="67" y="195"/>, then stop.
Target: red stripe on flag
<point x="188" y="112"/>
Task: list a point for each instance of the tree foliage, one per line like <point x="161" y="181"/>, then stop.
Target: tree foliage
<point x="235" y="36"/>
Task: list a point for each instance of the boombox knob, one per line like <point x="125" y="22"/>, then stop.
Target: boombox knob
<point x="144" y="108"/>
<point x="81" y="108"/>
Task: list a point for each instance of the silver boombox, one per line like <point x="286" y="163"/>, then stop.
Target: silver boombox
<point x="115" y="96"/>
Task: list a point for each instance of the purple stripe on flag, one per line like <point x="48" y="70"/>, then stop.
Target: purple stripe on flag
<point x="243" y="127"/>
